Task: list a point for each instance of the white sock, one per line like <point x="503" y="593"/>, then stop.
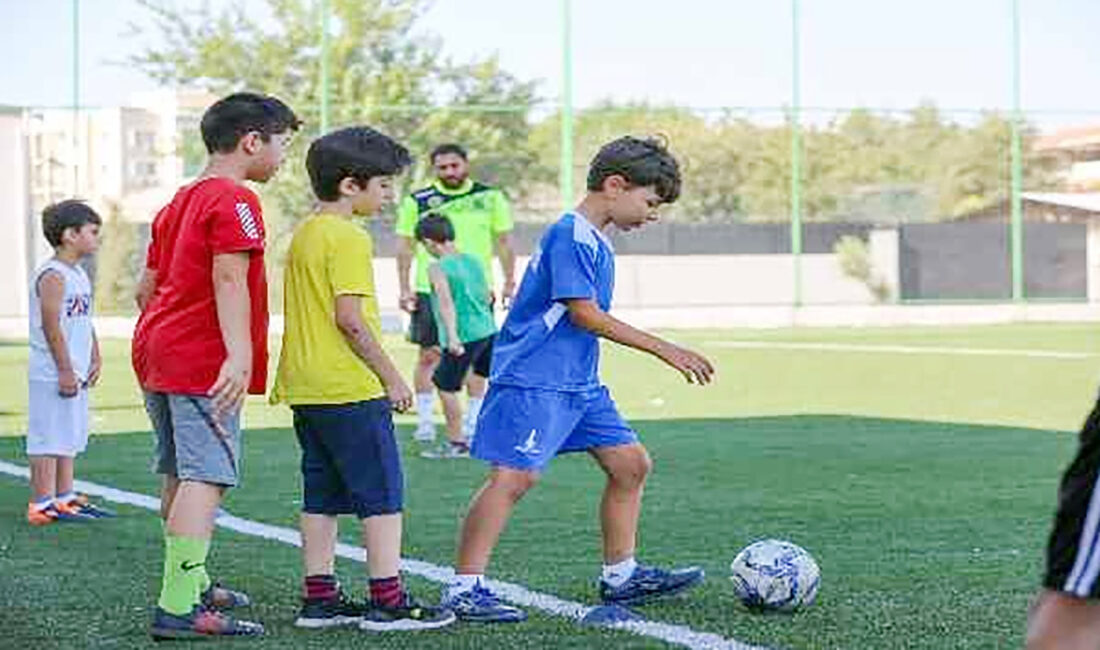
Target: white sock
<point x="463" y="582"/>
<point x="42" y="503"/>
<point x="66" y="497"/>
<point x="425" y="402"/>
<point x="616" y="574"/>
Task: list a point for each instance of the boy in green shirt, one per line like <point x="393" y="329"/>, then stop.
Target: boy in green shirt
<point x="462" y="306"/>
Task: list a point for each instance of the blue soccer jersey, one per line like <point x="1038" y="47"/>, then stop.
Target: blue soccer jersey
<point x="538" y="346"/>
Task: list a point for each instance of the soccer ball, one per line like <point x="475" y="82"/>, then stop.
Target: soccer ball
<point x="775" y="575"/>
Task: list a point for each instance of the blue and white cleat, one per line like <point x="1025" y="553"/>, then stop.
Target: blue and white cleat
<point x="649" y="583"/>
<point x="610" y="615"/>
<point x="481" y="605"/>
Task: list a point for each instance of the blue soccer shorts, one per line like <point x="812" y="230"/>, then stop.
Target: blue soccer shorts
<point x="523" y="428"/>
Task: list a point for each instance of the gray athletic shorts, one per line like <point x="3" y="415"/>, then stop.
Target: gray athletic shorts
<point x="188" y="443"/>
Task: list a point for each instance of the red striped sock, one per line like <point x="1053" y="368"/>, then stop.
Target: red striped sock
<point x="387" y="592"/>
<point x="324" y="587"/>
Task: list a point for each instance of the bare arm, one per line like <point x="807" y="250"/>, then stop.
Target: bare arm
<point x="507" y="255"/>
<point x="97" y="362"/>
<point x="349" y="319"/>
<point x="405" y="246"/>
<point x="146" y="285"/>
<point x="446" y="308"/>
<point x="51" y="293"/>
<point x="230" y="277"/>
<point x="586" y="314"/>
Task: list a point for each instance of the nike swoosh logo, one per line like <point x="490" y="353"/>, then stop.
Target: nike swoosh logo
<point x="191" y="566"/>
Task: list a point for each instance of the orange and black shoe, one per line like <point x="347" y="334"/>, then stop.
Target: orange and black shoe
<point x="71" y="512"/>
<point x="200" y="623"/>
<point x="37" y="516"/>
<point x="85" y="505"/>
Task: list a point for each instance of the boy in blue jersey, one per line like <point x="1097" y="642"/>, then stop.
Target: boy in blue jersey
<point x="545" y="396"/>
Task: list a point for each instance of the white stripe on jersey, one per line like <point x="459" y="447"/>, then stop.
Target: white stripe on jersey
<point x="248" y="222"/>
<point x="1087" y="565"/>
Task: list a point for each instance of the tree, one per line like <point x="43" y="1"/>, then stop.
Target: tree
<point x="117" y="264"/>
<point x="380" y="74"/>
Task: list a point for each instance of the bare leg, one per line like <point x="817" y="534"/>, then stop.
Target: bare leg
<point x="475" y="385"/>
<point x="382" y="539"/>
<point x="318" y="544"/>
<point x="43" y="476"/>
<point x="488" y="514"/>
<point x="64" y="474"/>
<point x="168" y="488"/>
<point x="426" y="364"/>
<point x="1062" y="622"/>
<point x="452" y="410"/>
<point x="193" y="509"/>
<point x="626" y="467"/>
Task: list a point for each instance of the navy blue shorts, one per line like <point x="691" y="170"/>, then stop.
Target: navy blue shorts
<point x="350" y="460"/>
<point x="523" y="428"/>
<point x="451" y="371"/>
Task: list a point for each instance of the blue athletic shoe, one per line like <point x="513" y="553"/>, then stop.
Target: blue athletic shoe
<point x="648" y="583"/>
<point x="480" y="605"/>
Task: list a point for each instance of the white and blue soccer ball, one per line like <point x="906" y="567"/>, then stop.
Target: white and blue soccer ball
<point x="775" y="575"/>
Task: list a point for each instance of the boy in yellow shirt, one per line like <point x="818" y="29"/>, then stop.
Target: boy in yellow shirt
<point x="342" y="387"/>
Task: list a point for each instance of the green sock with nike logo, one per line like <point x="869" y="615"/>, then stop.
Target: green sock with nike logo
<point x="184" y="573"/>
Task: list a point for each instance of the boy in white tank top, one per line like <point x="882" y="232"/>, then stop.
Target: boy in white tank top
<point x="64" y="362"/>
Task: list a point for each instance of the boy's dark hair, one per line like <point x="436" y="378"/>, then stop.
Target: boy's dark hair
<point x="357" y="152"/>
<point x="59" y="217"/>
<point x="435" y="227"/>
<point x="449" y="148"/>
<point x="231" y="118"/>
<point x="642" y="162"/>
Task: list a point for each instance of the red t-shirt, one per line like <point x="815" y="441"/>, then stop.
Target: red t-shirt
<point x="177" y="346"/>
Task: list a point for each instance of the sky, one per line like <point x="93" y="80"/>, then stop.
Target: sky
<point x="889" y="54"/>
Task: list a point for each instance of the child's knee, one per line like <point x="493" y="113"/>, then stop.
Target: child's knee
<point x="632" y="469"/>
<point x="513" y="483"/>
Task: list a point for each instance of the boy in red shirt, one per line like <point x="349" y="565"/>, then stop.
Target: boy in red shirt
<point x="201" y="345"/>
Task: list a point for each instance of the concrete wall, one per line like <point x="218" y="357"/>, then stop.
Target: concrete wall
<point x="667" y="281"/>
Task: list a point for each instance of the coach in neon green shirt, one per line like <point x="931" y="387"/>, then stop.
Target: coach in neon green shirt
<point x="482" y="221"/>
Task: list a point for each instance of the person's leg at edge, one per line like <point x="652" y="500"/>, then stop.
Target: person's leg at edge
<point x="1058" y="621"/>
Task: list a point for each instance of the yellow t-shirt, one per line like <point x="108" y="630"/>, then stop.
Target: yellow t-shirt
<point x="329" y="256"/>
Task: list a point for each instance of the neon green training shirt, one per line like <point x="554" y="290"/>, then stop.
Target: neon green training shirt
<point x="479" y="213"/>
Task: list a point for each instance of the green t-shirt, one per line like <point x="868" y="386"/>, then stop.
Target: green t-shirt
<point x="478" y="212"/>
<point x="470" y="293"/>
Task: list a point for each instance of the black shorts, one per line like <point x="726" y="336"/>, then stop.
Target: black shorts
<point x="451" y="371"/>
<point x="1073" y="553"/>
<point x="422" y="330"/>
<point x="350" y="460"/>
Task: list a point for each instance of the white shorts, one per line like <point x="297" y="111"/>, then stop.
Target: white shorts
<point x="57" y="426"/>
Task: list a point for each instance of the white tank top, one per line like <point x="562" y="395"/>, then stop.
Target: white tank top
<point x="75" y="320"/>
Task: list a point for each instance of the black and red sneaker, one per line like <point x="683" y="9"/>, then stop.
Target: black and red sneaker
<point x="200" y="623"/>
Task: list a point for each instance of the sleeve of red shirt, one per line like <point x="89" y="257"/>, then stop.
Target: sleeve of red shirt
<point x="236" y="224"/>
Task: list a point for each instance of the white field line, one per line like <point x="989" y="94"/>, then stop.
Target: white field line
<point x="674" y="634"/>
<point x="904" y="349"/>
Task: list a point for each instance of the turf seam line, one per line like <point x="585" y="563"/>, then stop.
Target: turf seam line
<point x="905" y="349"/>
<point x="675" y="634"/>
